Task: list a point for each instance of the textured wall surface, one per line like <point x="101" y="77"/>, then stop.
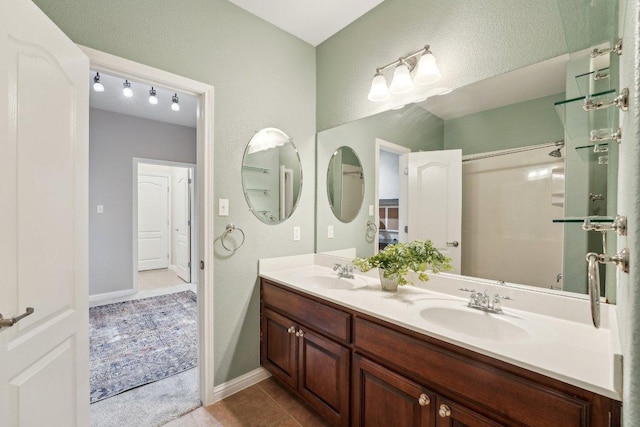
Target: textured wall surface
<point x="629" y="205"/>
<point x="467" y="38"/>
<point x="263" y="77"/>
<point x="114" y="140"/>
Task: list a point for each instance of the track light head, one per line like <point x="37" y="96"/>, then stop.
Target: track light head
<point x="153" y="99"/>
<point x="126" y="89"/>
<point x="175" y="103"/>
<point x="97" y="86"/>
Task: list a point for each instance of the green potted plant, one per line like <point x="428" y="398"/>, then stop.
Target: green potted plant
<point x="395" y="261"/>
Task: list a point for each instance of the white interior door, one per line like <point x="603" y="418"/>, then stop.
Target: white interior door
<point x="44" y="358"/>
<point x="153" y="222"/>
<point x="182" y="223"/>
<point x="431" y="204"/>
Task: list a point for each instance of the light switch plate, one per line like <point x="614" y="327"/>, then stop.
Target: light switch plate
<point x="296" y="233"/>
<point x="223" y="207"/>
<point x="100" y="209"/>
<point x="370" y="210"/>
<point x="330" y="232"/>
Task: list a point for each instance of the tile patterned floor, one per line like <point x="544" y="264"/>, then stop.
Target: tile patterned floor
<point x="266" y="404"/>
<point x="155" y="279"/>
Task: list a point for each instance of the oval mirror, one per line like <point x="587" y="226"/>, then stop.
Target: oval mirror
<point x="271" y="175"/>
<point x="345" y="184"/>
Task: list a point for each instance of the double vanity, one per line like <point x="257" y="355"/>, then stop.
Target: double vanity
<point x="422" y="357"/>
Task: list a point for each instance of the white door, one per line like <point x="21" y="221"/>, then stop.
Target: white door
<point x="182" y="223"/>
<point x="431" y="201"/>
<point x="153" y="222"/>
<point x="44" y="358"/>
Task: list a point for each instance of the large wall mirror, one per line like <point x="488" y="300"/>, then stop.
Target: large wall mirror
<point x="531" y="170"/>
<point x="345" y="184"/>
<point x="271" y="175"/>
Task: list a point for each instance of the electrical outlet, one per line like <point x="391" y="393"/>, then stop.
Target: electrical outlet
<point x="100" y="209"/>
<point x="223" y="207"/>
<point x="330" y="232"/>
<point x="370" y="210"/>
<point x="296" y="233"/>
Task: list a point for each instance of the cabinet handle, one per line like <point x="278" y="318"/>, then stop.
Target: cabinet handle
<point x="292" y="329"/>
<point x="300" y="333"/>
<point x="424" y="400"/>
<point x="444" y="411"/>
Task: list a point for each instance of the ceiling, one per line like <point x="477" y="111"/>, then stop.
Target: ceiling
<point x="113" y="100"/>
<point x="313" y="21"/>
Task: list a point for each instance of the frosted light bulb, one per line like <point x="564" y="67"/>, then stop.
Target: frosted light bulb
<point x="153" y="99"/>
<point x="126" y="89"/>
<point x="97" y="86"/>
<point x="175" y="106"/>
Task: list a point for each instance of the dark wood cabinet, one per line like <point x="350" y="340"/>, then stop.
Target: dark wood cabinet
<point x="316" y="367"/>
<point x="403" y="378"/>
<point x="382" y="398"/>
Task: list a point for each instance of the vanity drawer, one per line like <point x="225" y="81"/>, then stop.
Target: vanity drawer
<point x="509" y="396"/>
<point x="327" y="320"/>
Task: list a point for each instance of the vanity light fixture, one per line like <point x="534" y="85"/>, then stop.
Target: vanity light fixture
<point x="427" y="72"/>
<point x="126" y="89"/>
<point x="175" y="105"/>
<point x="153" y="99"/>
<point x="97" y="86"/>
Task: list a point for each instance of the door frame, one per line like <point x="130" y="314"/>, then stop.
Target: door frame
<point x="192" y="209"/>
<point x="204" y="196"/>
<point x="390" y="147"/>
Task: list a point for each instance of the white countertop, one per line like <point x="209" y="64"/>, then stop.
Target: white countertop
<point x="563" y="344"/>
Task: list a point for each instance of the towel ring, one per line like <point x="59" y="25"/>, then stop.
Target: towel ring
<point x="230" y="228"/>
<point x="371" y="230"/>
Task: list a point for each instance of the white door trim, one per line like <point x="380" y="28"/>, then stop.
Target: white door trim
<point x="390" y="147"/>
<point x="204" y="200"/>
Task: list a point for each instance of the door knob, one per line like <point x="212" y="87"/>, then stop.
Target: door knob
<point x="5" y="323"/>
<point x="444" y="411"/>
<point x="453" y="244"/>
<point x="292" y="330"/>
<point x="424" y="400"/>
<point x="300" y="333"/>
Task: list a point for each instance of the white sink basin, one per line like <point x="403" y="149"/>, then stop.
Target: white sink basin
<point x="456" y="317"/>
<point x="331" y="281"/>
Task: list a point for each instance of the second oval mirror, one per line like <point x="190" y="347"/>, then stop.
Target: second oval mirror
<point x="345" y="184"/>
<point x="271" y="175"/>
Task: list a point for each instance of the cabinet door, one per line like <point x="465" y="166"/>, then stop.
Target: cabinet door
<point x="323" y="376"/>
<point x="451" y="414"/>
<point x="278" y="352"/>
<point x="383" y="398"/>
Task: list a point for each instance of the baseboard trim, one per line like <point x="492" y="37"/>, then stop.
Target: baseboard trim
<point x="237" y="384"/>
<point x="111" y="295"/>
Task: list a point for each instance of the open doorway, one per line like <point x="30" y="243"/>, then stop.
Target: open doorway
<point x="165" y="218"/>
<point x="143" y="236"/>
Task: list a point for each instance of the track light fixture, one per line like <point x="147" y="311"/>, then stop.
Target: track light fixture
<point x="153" y="99"/>
<point x="175" y="105"/>
<point x="126" y="89"/>
<point x="97" y="86"/>
<point x="427" y="72"/>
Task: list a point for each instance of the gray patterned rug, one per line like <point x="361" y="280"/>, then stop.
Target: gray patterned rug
<point x="137" y="342"/>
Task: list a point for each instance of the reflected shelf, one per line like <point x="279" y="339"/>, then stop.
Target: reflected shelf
<point x="580" y="219"/>
<point x="259" y="190"/>
<point x="256" y="169"/>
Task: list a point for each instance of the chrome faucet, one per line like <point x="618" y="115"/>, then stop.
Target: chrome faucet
<point x="345" y="271"/>
<point x="483" y="301"/>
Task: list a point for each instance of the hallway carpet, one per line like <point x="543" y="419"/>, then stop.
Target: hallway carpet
<point x="137" y="342"/>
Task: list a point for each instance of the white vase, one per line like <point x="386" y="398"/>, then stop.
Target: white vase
<point x="389" y="284"/>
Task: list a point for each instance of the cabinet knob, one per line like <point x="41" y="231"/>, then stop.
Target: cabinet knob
<point x="424" y="400"/>
<point x="292" y="329"/>
<point x="444" y="411"/>
<point x="300" y="333"/>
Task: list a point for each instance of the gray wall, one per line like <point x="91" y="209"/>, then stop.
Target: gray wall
<point x="629" y="204"/>
<point x="263" y="77"/>
<point x="114" y="140"/>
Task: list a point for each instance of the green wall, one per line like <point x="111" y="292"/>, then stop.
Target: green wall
<point x="263" y="77"/>
<point x="517" y="125"/>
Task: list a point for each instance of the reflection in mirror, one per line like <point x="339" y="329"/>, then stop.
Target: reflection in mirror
<point x="527" y="165"/>
<point x="271" y="175"/>
<point x="345" y="184"/>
